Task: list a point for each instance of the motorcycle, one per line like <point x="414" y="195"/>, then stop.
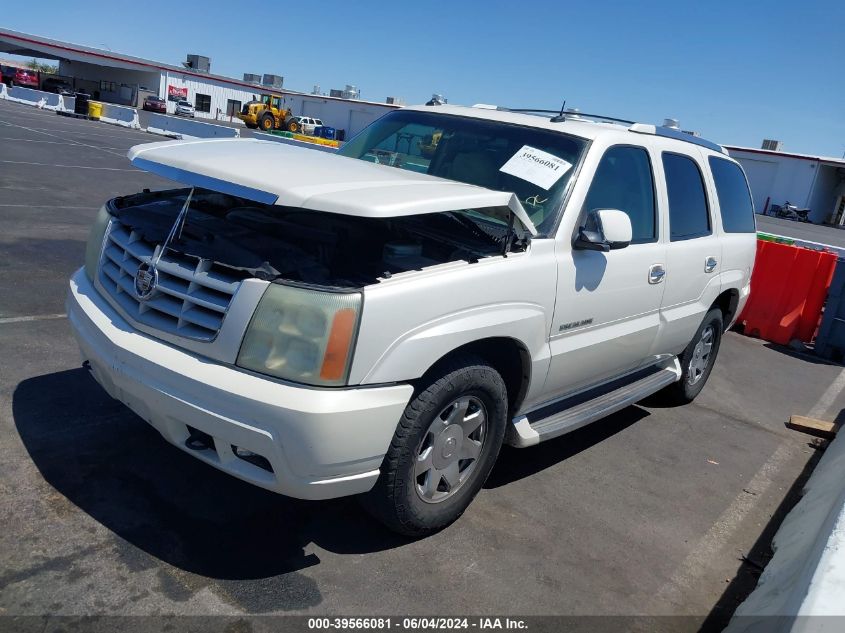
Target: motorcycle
<point x="791" y="212"/>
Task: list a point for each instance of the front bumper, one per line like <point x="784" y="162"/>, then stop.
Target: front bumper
<point x="321" y="443"/>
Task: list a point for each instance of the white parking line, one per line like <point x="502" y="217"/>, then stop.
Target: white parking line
<point x="20" y="162"/>
<point x="44" y="206"/>
<point x="32" y="140"/>
<point x="824" y="403"/>
<point x="23" y="127"/>
<point x="37" y="317"/>
<point x="689" y="573"/>
<point x="70" y="123"/>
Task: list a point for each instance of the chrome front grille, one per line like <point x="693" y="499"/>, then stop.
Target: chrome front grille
<point x="192" y="295"/>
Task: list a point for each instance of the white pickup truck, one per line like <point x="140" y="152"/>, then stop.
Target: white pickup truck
<point x="379" y="321"/>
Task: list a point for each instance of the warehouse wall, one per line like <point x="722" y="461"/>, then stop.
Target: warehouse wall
<point x="220" y="92"/>
<point x="89" y="76"/>
<point x="349" y="115"/>
<point x="779" y="178"/>
<point x="829" y="186"/>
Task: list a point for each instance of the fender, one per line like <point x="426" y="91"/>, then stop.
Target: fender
<point x="412" y="354"/>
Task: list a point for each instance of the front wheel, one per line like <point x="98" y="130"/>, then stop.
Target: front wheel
<point x="443" y="450"/>
<point x="267" y="123"/>
<point x="697" y="360"/>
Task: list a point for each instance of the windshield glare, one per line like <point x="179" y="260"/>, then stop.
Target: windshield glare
<point x="475" y="151"/>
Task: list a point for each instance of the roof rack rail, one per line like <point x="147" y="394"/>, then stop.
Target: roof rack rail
<point x="571" y="113"/>
<point x="667" y="131"/>
<point x="677" y="134"/>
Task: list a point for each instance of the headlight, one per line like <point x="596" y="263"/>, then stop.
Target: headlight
<point x="94" y="247"/>
<point x="302" y="335"/>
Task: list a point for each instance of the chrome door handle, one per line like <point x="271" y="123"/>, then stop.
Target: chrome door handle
<point x="656" y="273"/>
<point x="710" y="264"/>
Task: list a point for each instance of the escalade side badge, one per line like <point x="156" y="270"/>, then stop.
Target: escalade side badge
<point x="146" y="277"/>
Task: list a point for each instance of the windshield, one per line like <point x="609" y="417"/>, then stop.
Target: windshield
<point x="534" y="164"/>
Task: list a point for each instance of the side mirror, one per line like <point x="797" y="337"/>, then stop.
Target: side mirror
<point x="604" y="230"/>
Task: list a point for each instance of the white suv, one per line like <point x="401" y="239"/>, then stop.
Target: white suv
<point x="306" y="124"/>
<point x="321" y="325"/>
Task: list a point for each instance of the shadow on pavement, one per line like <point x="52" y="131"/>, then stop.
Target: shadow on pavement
<point x="156" y="499"/>
<point x="162" y="504"/>
<point x="518" y="463"/>
<point x="749" y="569"/>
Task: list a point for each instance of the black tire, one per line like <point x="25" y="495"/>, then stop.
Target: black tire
<point x="395" y="500"/>
<point x="692" y="382"/>
<point x="293" y="126"/>
<point x="267" y="122"/>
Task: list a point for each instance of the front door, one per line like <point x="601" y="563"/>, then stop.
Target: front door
<point x="607" y="312"/>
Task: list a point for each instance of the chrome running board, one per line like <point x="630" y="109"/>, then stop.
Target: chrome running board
<point x="572" y="413"/>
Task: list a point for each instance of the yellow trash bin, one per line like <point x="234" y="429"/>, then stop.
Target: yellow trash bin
<point x="95" y="109"/>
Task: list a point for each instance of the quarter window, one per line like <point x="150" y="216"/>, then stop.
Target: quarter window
<point x="688" y="214"/>
<point x="624" y="181"/>
<point x="734" y="197"/>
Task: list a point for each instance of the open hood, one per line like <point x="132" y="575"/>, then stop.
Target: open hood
<point x="275" y="173"/>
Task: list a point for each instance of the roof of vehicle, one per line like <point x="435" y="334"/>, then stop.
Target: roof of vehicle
<point x="276" y="173"/>
<point x="576" y="124"/>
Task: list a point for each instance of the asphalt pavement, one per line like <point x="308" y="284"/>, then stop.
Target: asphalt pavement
<point x="647" y="512"/>
<point x="818" y="233"/>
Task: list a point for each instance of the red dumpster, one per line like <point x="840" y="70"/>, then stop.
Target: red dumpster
<point x="789" y="286"/>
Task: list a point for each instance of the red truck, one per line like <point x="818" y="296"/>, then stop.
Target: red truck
<point x="25" y="77"/>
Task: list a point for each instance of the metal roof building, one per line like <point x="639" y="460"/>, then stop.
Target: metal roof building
<point x="816" y="183"/>
<point x="123" y="79"/>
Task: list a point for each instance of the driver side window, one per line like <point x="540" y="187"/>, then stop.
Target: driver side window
<point x="624" y="181"/>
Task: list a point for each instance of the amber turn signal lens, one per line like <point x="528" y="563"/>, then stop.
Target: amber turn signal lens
<point x="339" y="344"/>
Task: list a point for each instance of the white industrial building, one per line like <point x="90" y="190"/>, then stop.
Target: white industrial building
<point x="126" y="80"/>
<point x="808" y="182"/>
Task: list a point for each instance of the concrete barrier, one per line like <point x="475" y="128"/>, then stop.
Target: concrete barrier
<point x="3" y="93"/>
<point x="120" y="115"/>
<point x="38" y="98"/>
<point x="293" y="141"/>
<point x="70" y="103"/>
<point x="806" y="576"/>
<point x="177" y="127"/>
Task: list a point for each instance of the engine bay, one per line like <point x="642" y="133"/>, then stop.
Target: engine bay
<point x="274" y="242"/>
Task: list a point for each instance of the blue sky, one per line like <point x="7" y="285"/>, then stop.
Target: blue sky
<point x="736" y="71"/>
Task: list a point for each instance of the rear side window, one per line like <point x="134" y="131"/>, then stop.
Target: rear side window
<point x="734" y="196"/>
<point x="624" y="181"/>
<point x="688" y="214"/>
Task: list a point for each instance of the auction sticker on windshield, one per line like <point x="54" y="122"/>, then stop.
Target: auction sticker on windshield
<point x="536" y="166"/>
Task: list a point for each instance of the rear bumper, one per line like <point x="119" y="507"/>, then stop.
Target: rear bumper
<point x="320" y="443"/>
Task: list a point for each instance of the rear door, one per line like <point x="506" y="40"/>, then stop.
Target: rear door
<point x="694" y="250"/>
<point x="607" y="312"/>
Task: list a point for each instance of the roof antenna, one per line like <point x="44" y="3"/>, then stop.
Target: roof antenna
<point x="560" y="118"/>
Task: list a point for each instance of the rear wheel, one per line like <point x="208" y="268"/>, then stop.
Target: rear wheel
<point x="266" y="122"/>
<point x="443" y="450"/>
<point x="697" y="360"/>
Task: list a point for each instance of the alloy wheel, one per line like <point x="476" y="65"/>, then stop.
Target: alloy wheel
<point x="450" y="449"/>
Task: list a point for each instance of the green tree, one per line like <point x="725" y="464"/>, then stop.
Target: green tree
<point x="48" y="69"/>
